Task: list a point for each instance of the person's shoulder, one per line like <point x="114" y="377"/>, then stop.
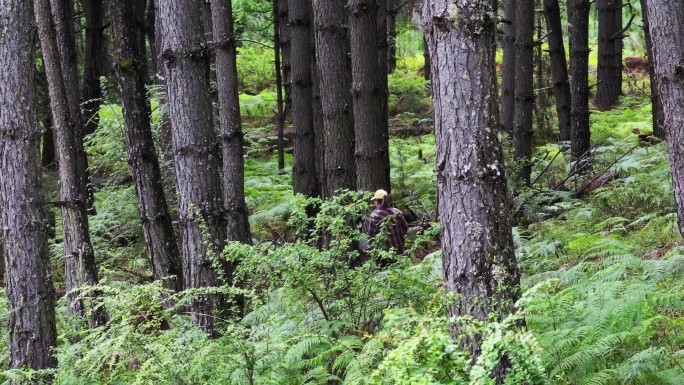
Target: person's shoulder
<point x="378" y="213"/>
<point x="395" y="211"/>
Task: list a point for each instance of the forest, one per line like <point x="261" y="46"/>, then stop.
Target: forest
<point x="470" y="192"/>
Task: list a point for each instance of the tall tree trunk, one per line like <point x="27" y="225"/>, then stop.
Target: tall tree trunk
<point x="334" y="70"/>
<point x="666" y="19"/>
<point x="79" y="256"/>
<point x="477" y="241"/>
<point x="280" y="114"/>
<point x="301" y="59"/>
<point x="166" y="134"/>
<point x="524" y="89"/>
<point x="427" y="74"/>
<point x="231" y="128"/>
<point x="142" y="158"/>
<point x="284" y="29"/>
<point x="30" y="294"/>
<point x="508" y="69"/>
<point x="197" y="156"/>
<point x="609" y="86"/>
<point x="372" y="137"/>
<point x="63" y="15"/>
<point x="580" y="135"/>
<point x="92" y="63"/>
<point x="318" y="120"/>
<point x="541" y="70"/>
<point x="657" y="106"/>
<point x="559" y="67"/>
<point x="48" y="155"/>
<point x="150" y="12"/>
<point x="392" y="11"/>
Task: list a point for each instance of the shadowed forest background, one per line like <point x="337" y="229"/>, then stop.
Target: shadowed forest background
<point x="185" y="185"/>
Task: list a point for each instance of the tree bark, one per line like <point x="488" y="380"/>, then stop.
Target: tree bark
<point x="524" y="89"/>
<point x="30" y="294"/>
<point x="559" y="67"/>
<point x="477" y="242"/>
<point x="142" y="157"/>
<point x="301" y="59"/>
<point x="334" y="71"/>
<point x="280" y="113"/>
<point x="609" y="72"/>
<point x="392" y="35"/>
<point x="92" y="63"/>
<point x="508" y="69"/>
<point x="284" y="29"/>
<point x="580" y="135"/>
<point x="79" y="256"/>
<point x="197" y="156"/>
<point x="372" y="137"/>
<point x="666" y="19"/>
<point x="657" y="106"/>
<point x="231" y="128"/>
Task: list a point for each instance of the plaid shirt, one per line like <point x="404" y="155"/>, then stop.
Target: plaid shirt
<point x="396" y="229"/>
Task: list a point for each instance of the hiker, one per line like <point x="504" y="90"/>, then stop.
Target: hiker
<point x="397" y="227"/>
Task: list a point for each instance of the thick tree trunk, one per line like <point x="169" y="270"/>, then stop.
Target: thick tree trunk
<point x="580" y="135"/>
<point x="508" y="69"/>
<point x="657" y="106"/>
<point x="142" y="157"/>
<point x="524" y="89"/>
<point x="318" y="120"/>
<point x="334" y="70"/>
<point x="30" y="294"/>
<point x="197" y="156"/>
<point x="477" y="242"/>
<point x="301" y="59"/>
<point x="231" y="128"/>
<point x="559" y="67"/>
<point x="92" y="63"/>
<point x="372" y="138"/>
<point x="666" y="19"/>
<point x="79" y="256"/>
<point x="609" y="85"/>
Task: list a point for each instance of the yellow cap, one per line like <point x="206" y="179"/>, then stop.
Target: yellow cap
<point x="380" y="194"/>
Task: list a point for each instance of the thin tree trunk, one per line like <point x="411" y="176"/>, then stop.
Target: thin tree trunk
<point x="151" y="37"/>
<point x="666" y="19"/>
<point x="372" y="137"/>
<point x="524" y="89"/>
<point x="427" y="67"/>
<point x="284" y="34"/>
<point x="92" y="63"/>
<point x="63" y="15"/>
<point x="657" y="109"/>
<point x="477" y="242"/>
<point x="79" y="256"/>
<point x="30" y="294"/>
<point x="392" y="11"/>
<point x="231" y="128"/>
<point x="48" y="155"/>
<point x="197" y="156"/>
<point x="508" y="69"/>
<point x="166" y="134"/>
<point x="334" y="70"/>
<point x="580" y="135"/>
<point x="280" y="116"/>
<point x="559" y="67"/>
<point x="142" y="157"/>
<point x="301" y="59"/>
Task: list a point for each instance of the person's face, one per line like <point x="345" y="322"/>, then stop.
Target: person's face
<point x="378" y="202"/>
